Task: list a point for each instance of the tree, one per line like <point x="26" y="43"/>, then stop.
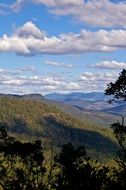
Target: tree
<point x="117" y="91"/>
<point x="118" y="88"/>
<point x="77" y="172"/>
<point x="21" y="164"/>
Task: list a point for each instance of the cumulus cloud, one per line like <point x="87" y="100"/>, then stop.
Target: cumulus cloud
<point x="57" y="64"/>
<point x="110" y="65"/>
<point x="22" y="83"/>
<point x="29" y="40"/>
<point x="97" y="81"/>
<point x="29" y="29"/>
<point x="33" y="82"/>
<point x="92" y="12"/>
<point x="99" y="76"/>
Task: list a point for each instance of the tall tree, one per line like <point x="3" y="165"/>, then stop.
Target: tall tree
<point x="117" y="89"/>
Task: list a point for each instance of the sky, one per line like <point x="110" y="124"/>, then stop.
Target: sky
<point x="49" y="46"/>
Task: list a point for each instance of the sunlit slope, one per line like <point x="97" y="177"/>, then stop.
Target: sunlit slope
<point x="38" y="119"/>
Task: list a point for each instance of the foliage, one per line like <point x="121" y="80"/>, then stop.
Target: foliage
<point x="118" y="88"/>
<point x="29" y="120"/>
<point x="77" y="171"/>
<point x="21" y="167"/>
<point x="118" y="91"/>
<point x="20" y="163"/>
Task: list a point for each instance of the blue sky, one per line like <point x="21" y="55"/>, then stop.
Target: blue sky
<point x="61" y="46"/>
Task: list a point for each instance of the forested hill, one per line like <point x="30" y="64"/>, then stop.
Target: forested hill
<point x="30" y="119"/>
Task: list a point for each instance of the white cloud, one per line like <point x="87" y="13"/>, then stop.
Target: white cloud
<point x="97" y="81"/>
<point x="17" y="72"/>
<point x="104" y="13"/>
<point x="29" y="29"/>
<point x="55" y="3"/>
<point x="110" y="65"/>
<point x="30" y="40"/>
<point x="31" y="83"/>
<point x="27" y="70"/>
<point x="72" y="86"/>
<point x="57" y="64"/>
<point x="18" y="5"/>
<point x="99" y="76"/>
<point x="34" y="83"/>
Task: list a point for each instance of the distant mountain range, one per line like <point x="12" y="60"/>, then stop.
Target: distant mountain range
<point x="120" y="109"/>
<point x="82" y="118"/>
<point x="94" y="101"/>
<point x="92" y="96"/>
<point x="76" y="117"/>
<point x="30" y="117"/>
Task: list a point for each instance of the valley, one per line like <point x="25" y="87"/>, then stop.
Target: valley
<point x="31" y="117"/>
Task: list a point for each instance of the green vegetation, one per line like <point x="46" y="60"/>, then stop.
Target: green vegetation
<point x="95" y="117"/>
<point x="118" y="92"/>
<point x="29" y="120"/>
<point x="21" y="164"/>
<point x="23" y="167"/>
<point x="117" y="89"/>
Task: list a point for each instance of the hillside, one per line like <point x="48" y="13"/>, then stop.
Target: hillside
<point x="28" y="119"/>
<point x="103" y="118"/>
<point x="90" y="106"/>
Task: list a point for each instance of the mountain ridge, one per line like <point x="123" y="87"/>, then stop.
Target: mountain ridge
<point x="93" y="101"/>
<point x="76" y="95"/>
<point x="39" y="119"/>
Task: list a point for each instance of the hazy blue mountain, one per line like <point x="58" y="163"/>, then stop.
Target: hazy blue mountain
<point x="93" y="101"/>
<point x="119" y="109"/>
<point x="84" y="101"/>
<point x="92" y="96"/>
<point x="55" y="96"/>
